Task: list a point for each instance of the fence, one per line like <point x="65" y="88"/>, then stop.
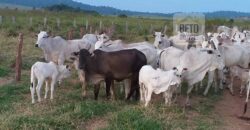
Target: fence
<point x="87" y="25"/>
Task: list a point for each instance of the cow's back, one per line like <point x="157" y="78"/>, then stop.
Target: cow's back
<point x="119" y="63"/>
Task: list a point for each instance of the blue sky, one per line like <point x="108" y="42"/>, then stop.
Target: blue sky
<point x="168" y="6"/>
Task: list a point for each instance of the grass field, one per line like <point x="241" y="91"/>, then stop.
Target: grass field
<point x="68" y="110"/>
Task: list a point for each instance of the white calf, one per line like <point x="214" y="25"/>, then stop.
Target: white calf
<point x="46" y="71"/>
<point x="157" y="81"/>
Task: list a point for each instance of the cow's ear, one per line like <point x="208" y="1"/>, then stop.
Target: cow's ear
<point x="210" y="51"/>
<point x="76" y="53"/>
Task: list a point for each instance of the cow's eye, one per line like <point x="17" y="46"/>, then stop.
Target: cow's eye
<point x="219" y="55"/>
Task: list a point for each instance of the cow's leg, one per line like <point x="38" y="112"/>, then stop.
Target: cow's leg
<point x="96" y="90"/>
<point x="142" y="92"/>
<point x="210" y="82"/>
<point x="167" y="95"/>
<point x="190" y="88"/>
<point x="248" y="91"/>
<point x="133" y="86"/>
<point x="46" y="89"/>
<point x="215" y="82"/>
<point x="112" y="90"/>
<point x="243" y="86"/>
<point x="108" y="84"/>
<point x="81" y="76"/>
<point x="38" y="89"/>
<point x="127" y="87"/>
<point x="231" y="84"/>
<point x="52" y="87"/>
<point x="221" y="78"/>
<point x="148" y="96"/>
<point x="136" y="85"/>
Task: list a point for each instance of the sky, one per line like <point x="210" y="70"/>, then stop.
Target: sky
<point x="170" y="6"/>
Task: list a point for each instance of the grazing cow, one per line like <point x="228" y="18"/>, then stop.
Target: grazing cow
<point x="45" y="72"/>
<point x="58" y="50"/>
<point x="110" y="66"/>
<point x="157" y="81"/>
<point x="197" y="61"/>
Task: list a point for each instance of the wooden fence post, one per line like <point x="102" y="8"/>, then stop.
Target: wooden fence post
<point x="165" y="29"/>
<point x="87" y="25"/>
<point x="19" y="58"/>
<point x="90" y="29"/>
<point x="151" y="29"/>
<point x="13" y="19"/>
<point x="126" y="27"/>
<point x="58" y="22"/>
<point x="70" y="34"/>
<point x="100" y="25"/>
<point x="45" y="21"/>
<point x="31" y="20"/>
<point x="81" y="32"/>
<point x="74" y="23"/>
<point x="112" y="23"/>
<point x="1" y="19"/>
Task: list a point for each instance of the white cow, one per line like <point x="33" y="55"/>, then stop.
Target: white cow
<point x="232" y="55"/>
<point x="224" y="29"/>
<point x="45" y="72"/>
<point x="104" y="43"/>
<point x="182" y="40"/>
<point x="161" y="40"/>
<point x="157" y="81"/>
<point x="197" y="61"/>
<point x="58" y="50"/>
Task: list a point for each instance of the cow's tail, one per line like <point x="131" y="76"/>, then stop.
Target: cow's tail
<point x="32" y="77"/>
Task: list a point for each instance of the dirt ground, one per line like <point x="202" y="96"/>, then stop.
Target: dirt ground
<point x="230" y="109"/>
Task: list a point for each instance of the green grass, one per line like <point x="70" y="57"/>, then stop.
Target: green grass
<point x="133" y="118"/>
<point x="4" y="71"/>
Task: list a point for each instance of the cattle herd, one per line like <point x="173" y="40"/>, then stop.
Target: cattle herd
<point x="146" y="68"/>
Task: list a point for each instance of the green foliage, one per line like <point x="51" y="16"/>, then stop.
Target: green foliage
<point x="4" y="71"/>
